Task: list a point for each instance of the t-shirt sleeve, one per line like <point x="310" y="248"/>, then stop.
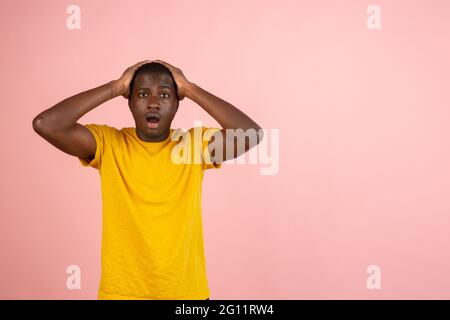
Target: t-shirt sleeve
<point x="207" y="134"/>
<point x="100" y="133"/>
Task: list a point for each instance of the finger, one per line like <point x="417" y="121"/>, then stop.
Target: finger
<point x="164" y="63"/>
<point x="161" y="62"/>
<point x="144" y="62"/>
<point x="139" y="64"/>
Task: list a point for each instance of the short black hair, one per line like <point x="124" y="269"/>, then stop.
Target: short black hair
<point x="152" y="67"/>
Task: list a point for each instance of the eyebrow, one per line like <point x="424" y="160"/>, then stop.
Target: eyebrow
<point x="160" y="86"/>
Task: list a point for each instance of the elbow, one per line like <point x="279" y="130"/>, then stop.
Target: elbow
<point x="39" y="124"/>
<point x="256" y="137"/>
<point x="260" y="134"/>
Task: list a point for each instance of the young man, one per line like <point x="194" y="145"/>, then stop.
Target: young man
<point x="152" y="240"/>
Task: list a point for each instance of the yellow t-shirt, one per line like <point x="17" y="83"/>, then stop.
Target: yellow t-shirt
<point x="152" y="239"/>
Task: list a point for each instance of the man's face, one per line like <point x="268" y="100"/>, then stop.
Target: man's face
<point x="153" y="104"/>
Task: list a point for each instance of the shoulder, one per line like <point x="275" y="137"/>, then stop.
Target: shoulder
<point x="103" y="132"/>
<point x="101" y="128"/>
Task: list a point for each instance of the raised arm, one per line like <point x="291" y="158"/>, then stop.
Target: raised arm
<point x="227" y="115"/>
<point x="58" y="124"/>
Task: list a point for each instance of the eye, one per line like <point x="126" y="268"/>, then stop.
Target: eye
<point x="165" y="94"/>
<point x="141" y="93"/>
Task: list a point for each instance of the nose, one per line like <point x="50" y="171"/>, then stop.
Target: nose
<point x="154" y="106"/>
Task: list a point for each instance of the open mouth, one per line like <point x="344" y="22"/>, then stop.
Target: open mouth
<point x="152" y="120"/>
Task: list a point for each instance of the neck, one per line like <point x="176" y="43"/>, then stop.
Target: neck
<point x="153" y="138"/>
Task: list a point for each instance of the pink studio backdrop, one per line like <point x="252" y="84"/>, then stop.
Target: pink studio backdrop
<point x="363" y="118"/>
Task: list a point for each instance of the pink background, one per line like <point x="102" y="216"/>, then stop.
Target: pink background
<point x="364" y="142"/>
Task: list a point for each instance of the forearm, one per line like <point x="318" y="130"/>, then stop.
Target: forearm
<point x="227" y="115"/>
<point x="67" y="112"/>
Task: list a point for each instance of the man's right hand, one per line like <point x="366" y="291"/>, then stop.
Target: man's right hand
<point x="123" y="84"/>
